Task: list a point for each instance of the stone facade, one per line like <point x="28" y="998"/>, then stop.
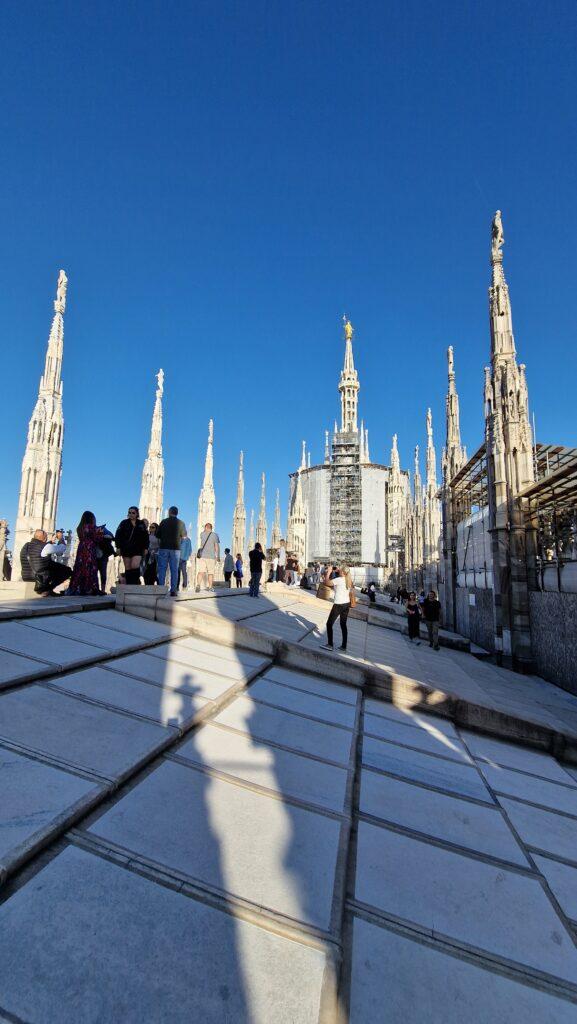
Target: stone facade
<point x="152" y="489"/>
<point x="553" y="619"/>
<point x="42" y="462"/>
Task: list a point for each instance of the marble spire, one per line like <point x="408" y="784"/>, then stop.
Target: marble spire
<point x="152" y="488"/>
<point x="507" y="426"/>
<point x="327" y="449"/>
<point x="206" y="498"/>
<point x="367" y="455"/>
<point x="349" y="383"/>
<point x="296" y="532"/>
<point x="303" y="464"/>
<point x="397" y="500"/>
<point x="251" y="531"/>
<point x="432" y="506"/>
<point x="454" y="453"/>
<point x="239" y="516"/>
<point x="42" y="462"/>
<point x="261" y="526"/>
<point x="417" y="483"/>
<point x="276" y="528"/>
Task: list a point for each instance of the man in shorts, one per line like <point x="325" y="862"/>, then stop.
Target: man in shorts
<point x="208" y="555"/>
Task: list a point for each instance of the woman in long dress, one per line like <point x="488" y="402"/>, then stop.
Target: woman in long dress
<point x="84" y="579"/>
<point x="414" y="617"/>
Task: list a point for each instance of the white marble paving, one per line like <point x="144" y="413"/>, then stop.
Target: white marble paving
<point x="562" y="880"/>
<point x="303" y="703"/>
<point x="82" y="734"/>
<point x="396" y="979"/>
<point x="421" y="767"/>
<point x="51" y="647"/>
<point x="290" y="730"/>
<point x="427" y="738"/>
<point x="15" y="668"/>
<point x="313" y="684"/>
<point x="162" y="704"/>
<point x="133" y="624"/>
<point x="443" y="817"/>
<point x="171" y="675"/>
<point x="409" y="716"/>
<point x="512" y="755"/>
<point x="182" y="654"/>
<point x="248" y="844"/>
<point x="527" y="787"/>
<point x="110" y="640"/>
<point x="489" y="907"/>
<point x="111" y="946"/>
<point x="281" y="771"/>
<point x="543" y="830"/>
<point x="234" y="654"/>
<point x="36" y="800"/>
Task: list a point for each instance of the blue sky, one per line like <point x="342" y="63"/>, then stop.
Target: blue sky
<point x="222" y="181"/>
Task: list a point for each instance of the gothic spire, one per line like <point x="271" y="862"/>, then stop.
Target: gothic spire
<point x="239" y="516"/>
<point x="251" y="531"/>
<point x="152" y="488"/>
<point x="42" y="462"/>
<point x="417" y="483"/>
<point x="502" y="341"/>
<point x="261" y="526"/>
<point x="454" y="453"/>
<point x="395" y="461"/>
<point x="206" y="498"/>
<point x="327" y="450"/>
<point x="349" y="383"/>
<point x="367" y="456"/>
<point x="303" y="464"/>
<point x="431" y="458"/>
<point x="276" y="534"/>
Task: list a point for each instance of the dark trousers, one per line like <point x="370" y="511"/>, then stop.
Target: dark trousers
<point x="227" y="576"/>
<point x="338" y="611"/>
<point x="238" y="582"/>
<point x="52" y="577"/>
<point x="254" y="585"/>
<point x="280" y="573"/>
<point x="102" y="564"/>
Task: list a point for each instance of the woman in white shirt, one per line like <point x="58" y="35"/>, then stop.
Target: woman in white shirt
<point x="342" y="585"/>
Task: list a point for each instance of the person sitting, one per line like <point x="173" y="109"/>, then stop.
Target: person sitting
<point x="38" y="565"/>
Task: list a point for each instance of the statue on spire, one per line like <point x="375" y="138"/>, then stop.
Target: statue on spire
<point x="60" y="303"/>
<point x="349" y="329"/>
<point x="450" y="361"/>
<point x="160" y="384"/>
<point x="497" y="236"/>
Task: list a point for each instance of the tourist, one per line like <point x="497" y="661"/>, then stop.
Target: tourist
<point x="132" y="542"/>
<point x="228" y="567"/>
<point x="273" y="569"/>
<point x="238" y="571"/>
<point x="104" y="551"/>
<point x="38" y="565"/>
<point x="432" y="616"/>
<point x="342" y="584"/>
<point x="207" y="556"/>
<point x="256" y="557"/>
<point x="171" y="532"/>
<point x="281" y="565"/>
<point x="414" y="617"/>
<point x="84" y="579"/>
<point x="288" y="571"/>
<point x="185" y="553"/>
<point x="151" y="560"/>
<point x="421" y="598"/>
<point x="372" y="592"/>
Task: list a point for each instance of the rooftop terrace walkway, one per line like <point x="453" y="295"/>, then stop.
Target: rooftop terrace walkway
<point x="192" y="829"/>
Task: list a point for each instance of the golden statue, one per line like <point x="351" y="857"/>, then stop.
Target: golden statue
<point x="348" y="328"/>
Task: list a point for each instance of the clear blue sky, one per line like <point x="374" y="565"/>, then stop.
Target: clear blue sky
<point x="222" y="181"/>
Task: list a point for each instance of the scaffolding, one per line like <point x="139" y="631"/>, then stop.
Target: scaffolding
<point x="346" y="499"/>
<point x="550" y="507"/>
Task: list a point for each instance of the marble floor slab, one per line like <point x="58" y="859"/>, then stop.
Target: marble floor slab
<point x="486" y="906"/>
<point x="427" y="738"/>
<point x="420" y="767"/>
<point x="234" y="654"/>
<point x="562" y="880"/>
<point x="174" y="676"/>
<point x="287" y="729"/>
<point x="280" y="624"/>
<point x="203" y="660"/>
<point x="110" y="945"/>
<point x="412" y="717"/>
<point x="241" y="842"/>
<point x="58" y="650"/>
<point x="164" y="705"/>
<point x="110" y="640"/>
<point x="527" y="787"/>
<point x="313" y="684"/>
<point x="416" y="982"/>
<point x="37" y="800"/>
<point x="444" y="817"/>
<point x="15" y="668"/>
<point x="510" y="755"/>
<point x="133" y="624"/>
<point x="94" y="738"/>
<point x="303" y="703"/>
<point x="281" y="771"/>
<point x="543" y="830"/>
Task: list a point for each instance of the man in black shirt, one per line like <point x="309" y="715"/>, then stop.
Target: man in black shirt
<point x="256" y="557"/>
<point x="432" y="614"/>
